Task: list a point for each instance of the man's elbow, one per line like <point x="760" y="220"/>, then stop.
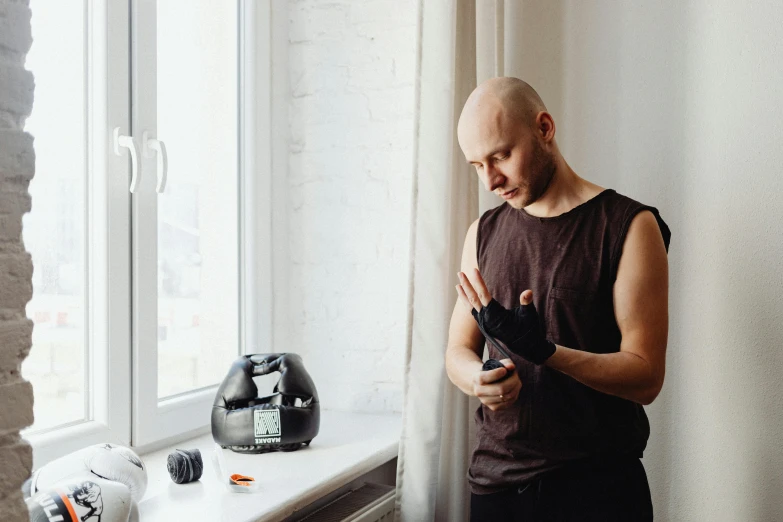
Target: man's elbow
<point x="448" y="363"/>
<point x="651" y="393"/>
<point x="648" y="398"/>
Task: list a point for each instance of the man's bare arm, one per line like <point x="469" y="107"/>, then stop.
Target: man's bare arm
<point x="496" y="389"/>
<point x="641" y="294"/>
<point x="466" y="344"/>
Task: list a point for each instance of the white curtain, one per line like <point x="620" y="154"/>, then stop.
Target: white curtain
<point x="459" y="40"/>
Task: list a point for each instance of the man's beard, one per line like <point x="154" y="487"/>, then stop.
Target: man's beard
<point x="542" y="171"/>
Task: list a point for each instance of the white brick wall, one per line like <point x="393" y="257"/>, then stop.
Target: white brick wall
<point x="351" y="75"/>
<point x="17" y="165"/>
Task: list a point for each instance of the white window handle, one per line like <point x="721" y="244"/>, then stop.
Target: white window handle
<point x="152" y="144"/>
<point x="128" y="143"/>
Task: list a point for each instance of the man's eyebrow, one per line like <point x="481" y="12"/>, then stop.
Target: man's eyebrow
<point x="499" y="149"/>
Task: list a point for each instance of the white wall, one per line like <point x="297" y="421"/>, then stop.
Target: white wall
<point x="676" y="104"/>
<point x="347" y="197"/>
<point x="679" y="105"/>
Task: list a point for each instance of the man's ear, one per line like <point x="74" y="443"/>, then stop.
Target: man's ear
<point x="545" y="126"/>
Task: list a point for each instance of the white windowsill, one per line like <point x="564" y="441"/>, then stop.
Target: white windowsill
<point x="347" y="446"/>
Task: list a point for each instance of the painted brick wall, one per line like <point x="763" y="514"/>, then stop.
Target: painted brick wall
<point x="351" y="104"/>
<point x="17" y="164"/>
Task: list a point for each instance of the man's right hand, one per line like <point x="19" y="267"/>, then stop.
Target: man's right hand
<point x="499" y="388"/>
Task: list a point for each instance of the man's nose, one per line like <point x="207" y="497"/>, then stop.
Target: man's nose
<point x="493" y="179"/>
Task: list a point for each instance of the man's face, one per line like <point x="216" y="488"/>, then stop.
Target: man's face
<point x="508" y="157"/>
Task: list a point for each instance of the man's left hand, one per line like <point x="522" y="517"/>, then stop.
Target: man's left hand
<point x="519" y="329"/>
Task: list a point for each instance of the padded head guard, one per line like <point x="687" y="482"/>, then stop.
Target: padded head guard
<point x="246" y="423"/>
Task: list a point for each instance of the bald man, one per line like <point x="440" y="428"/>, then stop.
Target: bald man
<point x="571" y="279"/>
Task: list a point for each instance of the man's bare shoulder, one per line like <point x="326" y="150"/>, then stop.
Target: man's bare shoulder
<point x="469" y="255"/>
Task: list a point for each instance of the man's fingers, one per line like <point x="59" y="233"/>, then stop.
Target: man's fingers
<point x="505" y="390"/>
<point x="474" y="288"/>
<point x="463" y="298"/>
<point x="493" y="398"/>
<point x="495" y="391"/>
<point x="496" y="402"/>
<point x="492" y="390"/>
<point x="490" y="376"/>
<point x="470" y="293"/>
<point x="526" y="297"/>
<point x="480" y="286"/>
<point x="493" y="403"/>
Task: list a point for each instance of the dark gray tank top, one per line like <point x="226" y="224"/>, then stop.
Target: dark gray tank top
<point x="570" y="262"/>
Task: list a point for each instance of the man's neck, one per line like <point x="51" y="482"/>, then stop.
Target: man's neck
<point x="566" y="191"/>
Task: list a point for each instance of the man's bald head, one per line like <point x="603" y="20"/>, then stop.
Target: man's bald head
<point x="507" y="134"/>
<point x="511" y="99"/>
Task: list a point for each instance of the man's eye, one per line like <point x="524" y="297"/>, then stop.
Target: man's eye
<point x="479" y="166"/>
<point x="501" y="158"/>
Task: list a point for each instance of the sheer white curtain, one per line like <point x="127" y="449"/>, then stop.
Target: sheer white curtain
<point x="437" y="434"/>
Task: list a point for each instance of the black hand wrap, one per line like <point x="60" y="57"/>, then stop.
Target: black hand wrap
<point x="246" y="423"/>
<point x="519" y="329"/>
<point x="185" y="465"/>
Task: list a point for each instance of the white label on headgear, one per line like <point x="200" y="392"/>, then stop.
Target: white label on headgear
<point x="266" y="424"/>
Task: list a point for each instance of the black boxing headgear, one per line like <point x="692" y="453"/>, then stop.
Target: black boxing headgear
<point x="246" y="423"/>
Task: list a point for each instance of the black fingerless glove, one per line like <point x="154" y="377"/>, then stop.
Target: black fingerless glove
<point x="519" y="329"/>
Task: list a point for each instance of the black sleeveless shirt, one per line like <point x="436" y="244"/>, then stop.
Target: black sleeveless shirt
<point x="570" y="262"/>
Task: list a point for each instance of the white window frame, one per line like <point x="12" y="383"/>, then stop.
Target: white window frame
<point x="155" y="421"/>
<point x="124" y="404"/>
<point x="257" y="151"/>
<point x="187" y="413"/>
<point x="107" y="271"/>
<point x="152" y="420"/>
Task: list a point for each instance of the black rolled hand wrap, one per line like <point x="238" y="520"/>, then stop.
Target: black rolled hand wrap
<point x="519" y="329"/>
<point x="185" y="465"/>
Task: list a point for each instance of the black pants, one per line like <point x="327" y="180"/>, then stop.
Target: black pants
<point x="599" y="491"/>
